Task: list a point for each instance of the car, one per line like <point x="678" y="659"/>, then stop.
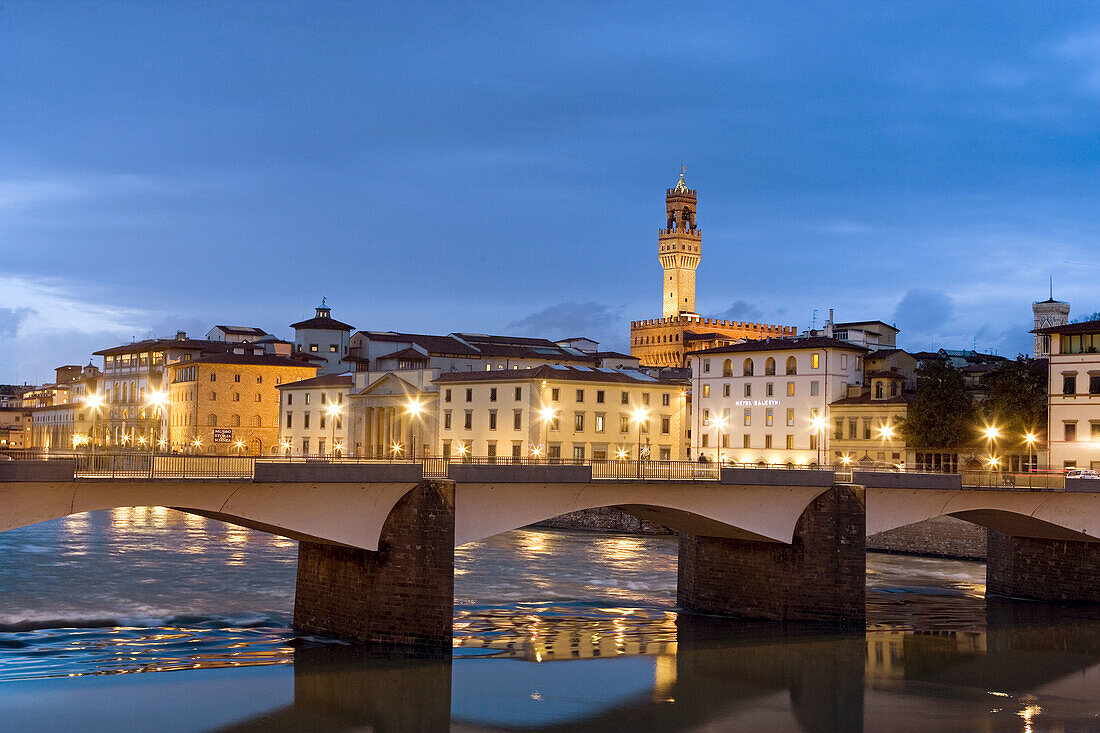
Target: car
<point x="1083" y="473"/>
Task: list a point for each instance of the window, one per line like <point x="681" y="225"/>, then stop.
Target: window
<point x="666" y="425"/>
<point x="1094" y="384"/>
<point x="555" y="422"/>
<point x="447" y="395"/>
<point x="313" y="347"/>
<point x="259" y="397"/>
<point x="790" y="442"/>
<point x="213" y="377"/>
<point x="746" y="441"/>
<point x="706" y="365"/>
<point x="769" y="389"/>
<point x="726" y="390"/>
<point x="748" y="390"/>
<point x="665" y="400"/>
<point x="236" y="396"/>
<point x="790" y="389"/>
<point x="792" y="365"/>
<point x="769" y="367"/>
<point x="468" y="422"/>
<point x="578" y="453"/>
<point x="305" y="420"/>
<point x="324" y="398"/>
<point x="469" y="394"/>
<point x="332" y="348"/>
<point x="260" y="379"/>
<point x="625" y="399"/>
<point x="843" y="361"/>
<point x="599" y="422"/>
<point x="599" y="396"/>
<point x="289" y="419"/>
<point x="322" y="425"/>
<point x="305" y="446"/>
<point x="517" y="419"/>
<point x="748" y="416"/>
<point x="519" y="393"/>
<point x="236" y="377"/>
<point x="838" y="431"/>
<point x="1094" y="430"/>
<point x="212" y="419"/>
<point x="790" y="417"/>
<point x="645" y="398"/>
<point x="492" y="419"/>
<point x="664" y="454"/>
<point x="289" y="398"/>
<point x="747" y="368"/>
<point x="307" y="398"/>
<point x="852" y="429"/>
<point x="813" y="441"/>
<point x="814" y="388"/>
<point x="769" y="417"/>
<point x="580" y="395"/>
<point x="257" y="421"/>
<point x="213" y="396"/>
<point x="767" y="442"/>
<point x="866" y="428"/>
<point x="320" y="446"/>
<point x="492" y="394"/>
<point x="446" y="419"/>
<point x="578" y="422"/>
<point x="727" y="368"/>
<point x="1069" y="383"/>
<point x="517" y="451"/>
<point x="624" y="424"/>
<point x="815" y="361"/>
<point x="1070" y="431"/>
<point x="706" y="390"/>
<point x="555" y="394"/>
<point x="706" y="440"/>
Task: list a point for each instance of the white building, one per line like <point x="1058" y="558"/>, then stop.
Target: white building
<point x="1048" y="314"/>
<point x="324" y="337"/>
<point x="1073" y="412"/>
<point x="768" y="401"/>
<point x="236" y="334"/>
<point x="314" y="419"/>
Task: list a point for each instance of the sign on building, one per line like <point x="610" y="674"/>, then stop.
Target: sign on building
<point x="223" y="435"/>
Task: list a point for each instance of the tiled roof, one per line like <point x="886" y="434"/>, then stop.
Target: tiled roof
<point x="1082" y="327"/>
<point x="781" y="344"/>
<point x="558" y="372"/>
<point x="322" y="324"/>
<point x="866" y="399"/>
<point x="164" y="345"/>
<point x="250" y="359"/>
<point x="886" y="374"/>
<point x="325" y="380"/>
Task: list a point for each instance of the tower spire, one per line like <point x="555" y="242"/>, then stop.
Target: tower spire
<point x="679" y="249"/>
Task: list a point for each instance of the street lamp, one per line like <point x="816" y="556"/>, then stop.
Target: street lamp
<point x="1030" y="439"/>
<point x="240" y="445"/>
<point x="886" y="432"/>
<point x="992" y="433"/>
<point x="640" y="415"/>
<point x="157" y="401"/>
<point x="819" y="422"/>
<point x="333" y="412"/>
<point x="547" y="416"/>
<point x="95" y="402"/>
<point x="721" y="422"/>
<point x="413" y="409"/>
<point x="286" y="447"/>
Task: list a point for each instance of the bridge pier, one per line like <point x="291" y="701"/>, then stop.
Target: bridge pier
<point x="401" y="594"/>
<point x="820" y="576"/>
<point x="1042" y="569"/>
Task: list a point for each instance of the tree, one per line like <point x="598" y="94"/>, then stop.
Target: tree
<point x="1017" y="398"/>
<point x="943" y="414"/>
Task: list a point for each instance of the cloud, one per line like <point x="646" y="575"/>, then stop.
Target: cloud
<point x="50" y="304"/>
<point x="1084" y="48"/>
<point x="924" y="311"/>
<point x="742" y="311"/>
<point x="598" y="321"/>
<point x="10" y="318"/>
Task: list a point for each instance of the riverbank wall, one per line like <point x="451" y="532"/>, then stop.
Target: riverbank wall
<point x="939" y="537"/>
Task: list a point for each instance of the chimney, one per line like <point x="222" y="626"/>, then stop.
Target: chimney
<point x="181" y="335"/>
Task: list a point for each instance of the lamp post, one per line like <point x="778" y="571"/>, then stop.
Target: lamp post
<point x="95" y="402"/>
<point x="721" y="423"/>
<point x="547" y="415"/>
<point x="886" y="432"/>
<point x="413" y="409"/>
<point x="1030" y="439"/>
<point x="640" y="415"/>
<point x="157" y="401"/>
<point x="239" y="444"/>
<point x="992" y="433"/>
<point x="818" y="423"/>
<point x="333" y="412"/>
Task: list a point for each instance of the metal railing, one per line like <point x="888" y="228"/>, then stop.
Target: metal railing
<point x="163" y="466"/>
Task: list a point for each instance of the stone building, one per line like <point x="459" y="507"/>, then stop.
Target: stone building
<point x="1049" y="313"/>
<point x="664" y="341"/>
<point x="324" y="338"/>
<point x="314" y="416"/>
<point x="229" y="402"/>
<point x="1073" y="412"/>
<point x="557" y="411"/>
<point x="866" y="423"/>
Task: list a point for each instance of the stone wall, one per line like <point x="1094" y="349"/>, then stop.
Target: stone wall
<point x="401" y="594"/>
<point x="604" y="519"/>
<point x="939" y="537"/>
<point x="820" y="576"/>
<point x="1050" y="570"/>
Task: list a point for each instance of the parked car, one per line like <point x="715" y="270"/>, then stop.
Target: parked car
<point x="1083" y="473"/>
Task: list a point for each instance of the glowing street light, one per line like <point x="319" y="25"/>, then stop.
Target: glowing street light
<point x="640" y="416"/>
<point x="1030" y="439"/>
<point x="721" y="423"/>
<point x="240" y="445"/>
<point x="95" y="402"/>
<point x="991" y="433"/>
<point x="414" y="408"/>
<point x="547" y="415"/>
<point x="333" y="412"/>
<point x="818" y="422"/>
<point x="286" y="447"/>
<point x="157" y="401"/>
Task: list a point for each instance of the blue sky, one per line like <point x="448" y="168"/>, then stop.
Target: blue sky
<point x="501" y="167"/>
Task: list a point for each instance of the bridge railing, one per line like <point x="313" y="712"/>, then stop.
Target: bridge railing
<point x="163" y="466"/>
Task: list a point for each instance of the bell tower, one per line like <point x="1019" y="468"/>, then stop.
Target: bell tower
<point x="678" y="250"/>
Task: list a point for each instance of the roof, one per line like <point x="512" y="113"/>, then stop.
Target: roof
<point x="885" y="374"/>
<point x="851" y="324"/>
<point x="559" y="372"/>
<point x="324" y="380"/>
<point x="1082" y="327"/>
<point x="782" y="344"/>
<point x="407" y="353"/>
<point x="244" y="330"/>
<point x="322" y="323"/>
<point x="919" y="355"/>
<point x="484" y="345"/>
<point x="250" y="359"/>
<point x="866" y="399"/>
<point x="885" y="352"/>
<point x="611" y="355"/>
<point x="164" y="345"/>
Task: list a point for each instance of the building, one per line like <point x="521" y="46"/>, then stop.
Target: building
<point x="1049" y="313"/>
<point x="873" y="335"/>
<point x="1073" y="413"/>
<point x="314" y="416"/>
<point x="555" y="411"/>
<point x="866" y="423"/>
<point x="236" y="334"/>
<point x="768" y="402"/>
<point x="47" y="395"/>
<point x="324" y="337"/>
<point x="13" y="421"/>
<point x="664" y="341"/>
<point x="229" y="401"/>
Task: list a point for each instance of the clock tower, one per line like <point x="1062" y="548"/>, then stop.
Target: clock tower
<point x="678" y="250"/>
<point x="1048" y="313"/>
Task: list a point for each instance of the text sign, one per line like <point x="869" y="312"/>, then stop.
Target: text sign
<point x="223" y="435"/>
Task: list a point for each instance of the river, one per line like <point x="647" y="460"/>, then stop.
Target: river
<point x="150" y="619"/>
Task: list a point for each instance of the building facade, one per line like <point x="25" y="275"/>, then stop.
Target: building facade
<point x="314" y="416"/>
<point x="664" y="341"/>
<point x="229" y="402"/>
<point x="768" y="402"/>
<point x="866" y="424"/>
<point x="325" y="338"/>
<point x="1049" y="313"/>
<point x="573" y="413"/>
<point x="1073" y="412"/>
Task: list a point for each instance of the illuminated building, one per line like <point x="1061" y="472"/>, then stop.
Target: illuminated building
<point x="1073" y="407"/>
<point x="314" y="416"/>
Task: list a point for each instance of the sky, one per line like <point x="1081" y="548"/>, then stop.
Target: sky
<point x="501" y="167"/>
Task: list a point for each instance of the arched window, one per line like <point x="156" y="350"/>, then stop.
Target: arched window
<point x="893" y="389"/>
<point x="878" y="390"/>
<point x="212" y="420"/>
<point x="727" y="368"/>
<point x="236" y="422"/>
<point x="792" y="365"/>
<point x="256" y="421"/>
<point x="769" y="366"/>
<point x="747" y="368"/>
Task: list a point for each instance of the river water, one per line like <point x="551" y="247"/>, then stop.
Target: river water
<point x="150" y="619"/>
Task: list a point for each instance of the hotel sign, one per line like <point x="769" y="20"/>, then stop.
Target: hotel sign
<point x="223" y="435"/>
<point x="756" y="403"/>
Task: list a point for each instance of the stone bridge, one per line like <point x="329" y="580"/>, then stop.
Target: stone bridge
<point x="376" y="540"/>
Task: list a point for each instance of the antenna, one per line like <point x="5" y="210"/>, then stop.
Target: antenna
<point x="813" y="320"/>
<point x="1052" y="287"/>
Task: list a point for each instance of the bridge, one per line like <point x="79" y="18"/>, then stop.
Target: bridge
<point x="376" y="538"/>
